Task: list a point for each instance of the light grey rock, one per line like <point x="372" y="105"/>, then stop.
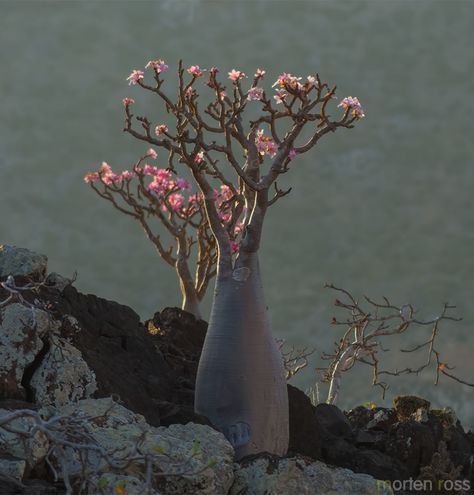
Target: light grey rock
<point x="182" y="450"/>
<point x="62" y="376"/>
<point x="12" y="467"/>
<point x="112" y="484"/>
<point x="21" y="332"/>
<point x="270" y="475"/>
<point x="31" y="450"/>
<point x="22" y="262"/>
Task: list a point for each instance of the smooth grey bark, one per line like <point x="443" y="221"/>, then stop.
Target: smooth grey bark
<point x="241" y="385"/>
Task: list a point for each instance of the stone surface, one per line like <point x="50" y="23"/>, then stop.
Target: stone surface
<point x="20" y="262"/>
<point x="21" y="340"/>
<point x="13" y="446"/>
<point x="305" y="429"/>
<point x="62" y="376"/>
<point x="269" y="475"/>
<point x="176" y="448"/>
<point x="127" y="361"/>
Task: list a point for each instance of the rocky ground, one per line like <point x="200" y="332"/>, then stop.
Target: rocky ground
<point x="92" y="400"/>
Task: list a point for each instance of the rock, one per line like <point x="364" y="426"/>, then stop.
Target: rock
<point x="21" y="341"/>
<point x="9" y="486"/>
<point x="333" y="421"/>
<point x="413" y="444"/>
<point x="271" y="475"/>
<point x="14" y="447"/>
<point x="20" y="262"/>
<point x="12" y="467"/>
<point x="114" y="343"/>
<point x="407" y="405"/>
<point x="58" y="281"/>
<point x="186" y="449"/>
<point x="62" y="376"/>
<point x="115" y="483"/>
<point x="305" y="429"/>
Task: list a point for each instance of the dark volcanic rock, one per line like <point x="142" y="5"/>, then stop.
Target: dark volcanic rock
<point x="334" y="421"/>
<point x="125" y="359"/>
<point x="305" y="429"/>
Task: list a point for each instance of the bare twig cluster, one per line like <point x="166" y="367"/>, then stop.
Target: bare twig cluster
<point x="294" y="359"/>
<point x="366" y="326"/>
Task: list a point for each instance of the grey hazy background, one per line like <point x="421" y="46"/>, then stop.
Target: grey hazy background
<point x="384" y="209"/>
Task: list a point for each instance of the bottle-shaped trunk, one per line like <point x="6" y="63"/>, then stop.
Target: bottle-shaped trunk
<point x="241" y="385"/>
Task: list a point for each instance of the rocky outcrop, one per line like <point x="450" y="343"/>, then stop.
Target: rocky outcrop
<point x="68" y="353"/>
<point x="23" y="331"/>
<point x="271" y="475"/>
<point x="23" y="263"/>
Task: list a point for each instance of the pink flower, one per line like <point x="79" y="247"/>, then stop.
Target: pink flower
<point x="105" y="168"/>
<point x="189" y="92"/>
<point x="225" y="217"/>
<point x="91" y="177"/>
<point x="183" y="184"/>
<point x="283" y="79"/>
<point x="226" y="191"/>
<point x="311" y="81"/>
<point x="272" y="149"/>
<point x="161" y="129"/>
<point x="127" y="101"/>
<point x="199" y="158"/>
<point x="236" y="75"/>
<point x="234" y="246"/>
<point x="260" y="73"/>
<point x="238" y="228"/>
<point x="134" y="77"/>
<point x="287" y="79"/>
<point x="176" y="201"/>
<point x="213" y="70"/>
<point x="222" y="95"/>
<point x="149" y="170"/>
<point x="194" y="198"/>
<point x="195" y="71"/>
<point x="163" y="174"/>
<point x="158" y="65"/>
<point x="354" y="104"/>
<point x="292" y="154"/>
<point x="127" y="175"/>
<point x="156" y="187"/>
<point x="255" y="94"/>
<point x="152" y="153"/>
<point x="280" y="96"/>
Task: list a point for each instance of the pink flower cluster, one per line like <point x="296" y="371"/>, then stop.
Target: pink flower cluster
<point x="127" y="101"/>
<point x="195" y="71"/>
<point x="107" y="175"/>
<point x="236" y="75"/>
<point x="135" y="77"/>
<point x="354" y="104"/>
<point x="255" y="94"/>
<point x="157" y="65"/>
<point x="265" y="144"/>
<point x="161" y="129"/>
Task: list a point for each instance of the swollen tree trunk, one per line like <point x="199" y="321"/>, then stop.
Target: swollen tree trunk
<point x="241" y="385"/>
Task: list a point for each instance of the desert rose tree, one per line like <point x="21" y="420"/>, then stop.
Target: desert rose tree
<point x="241" y="384"/>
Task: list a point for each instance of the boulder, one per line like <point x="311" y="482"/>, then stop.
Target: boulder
<point x="19" y="455"/>
<point x="271" y="475"/>
<point x="184" y="452"/>
<point x="62" y="376"/>
<point x="305" y="429"/>
<point x="22" y="330"/>
<point x="20" y="262"/>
